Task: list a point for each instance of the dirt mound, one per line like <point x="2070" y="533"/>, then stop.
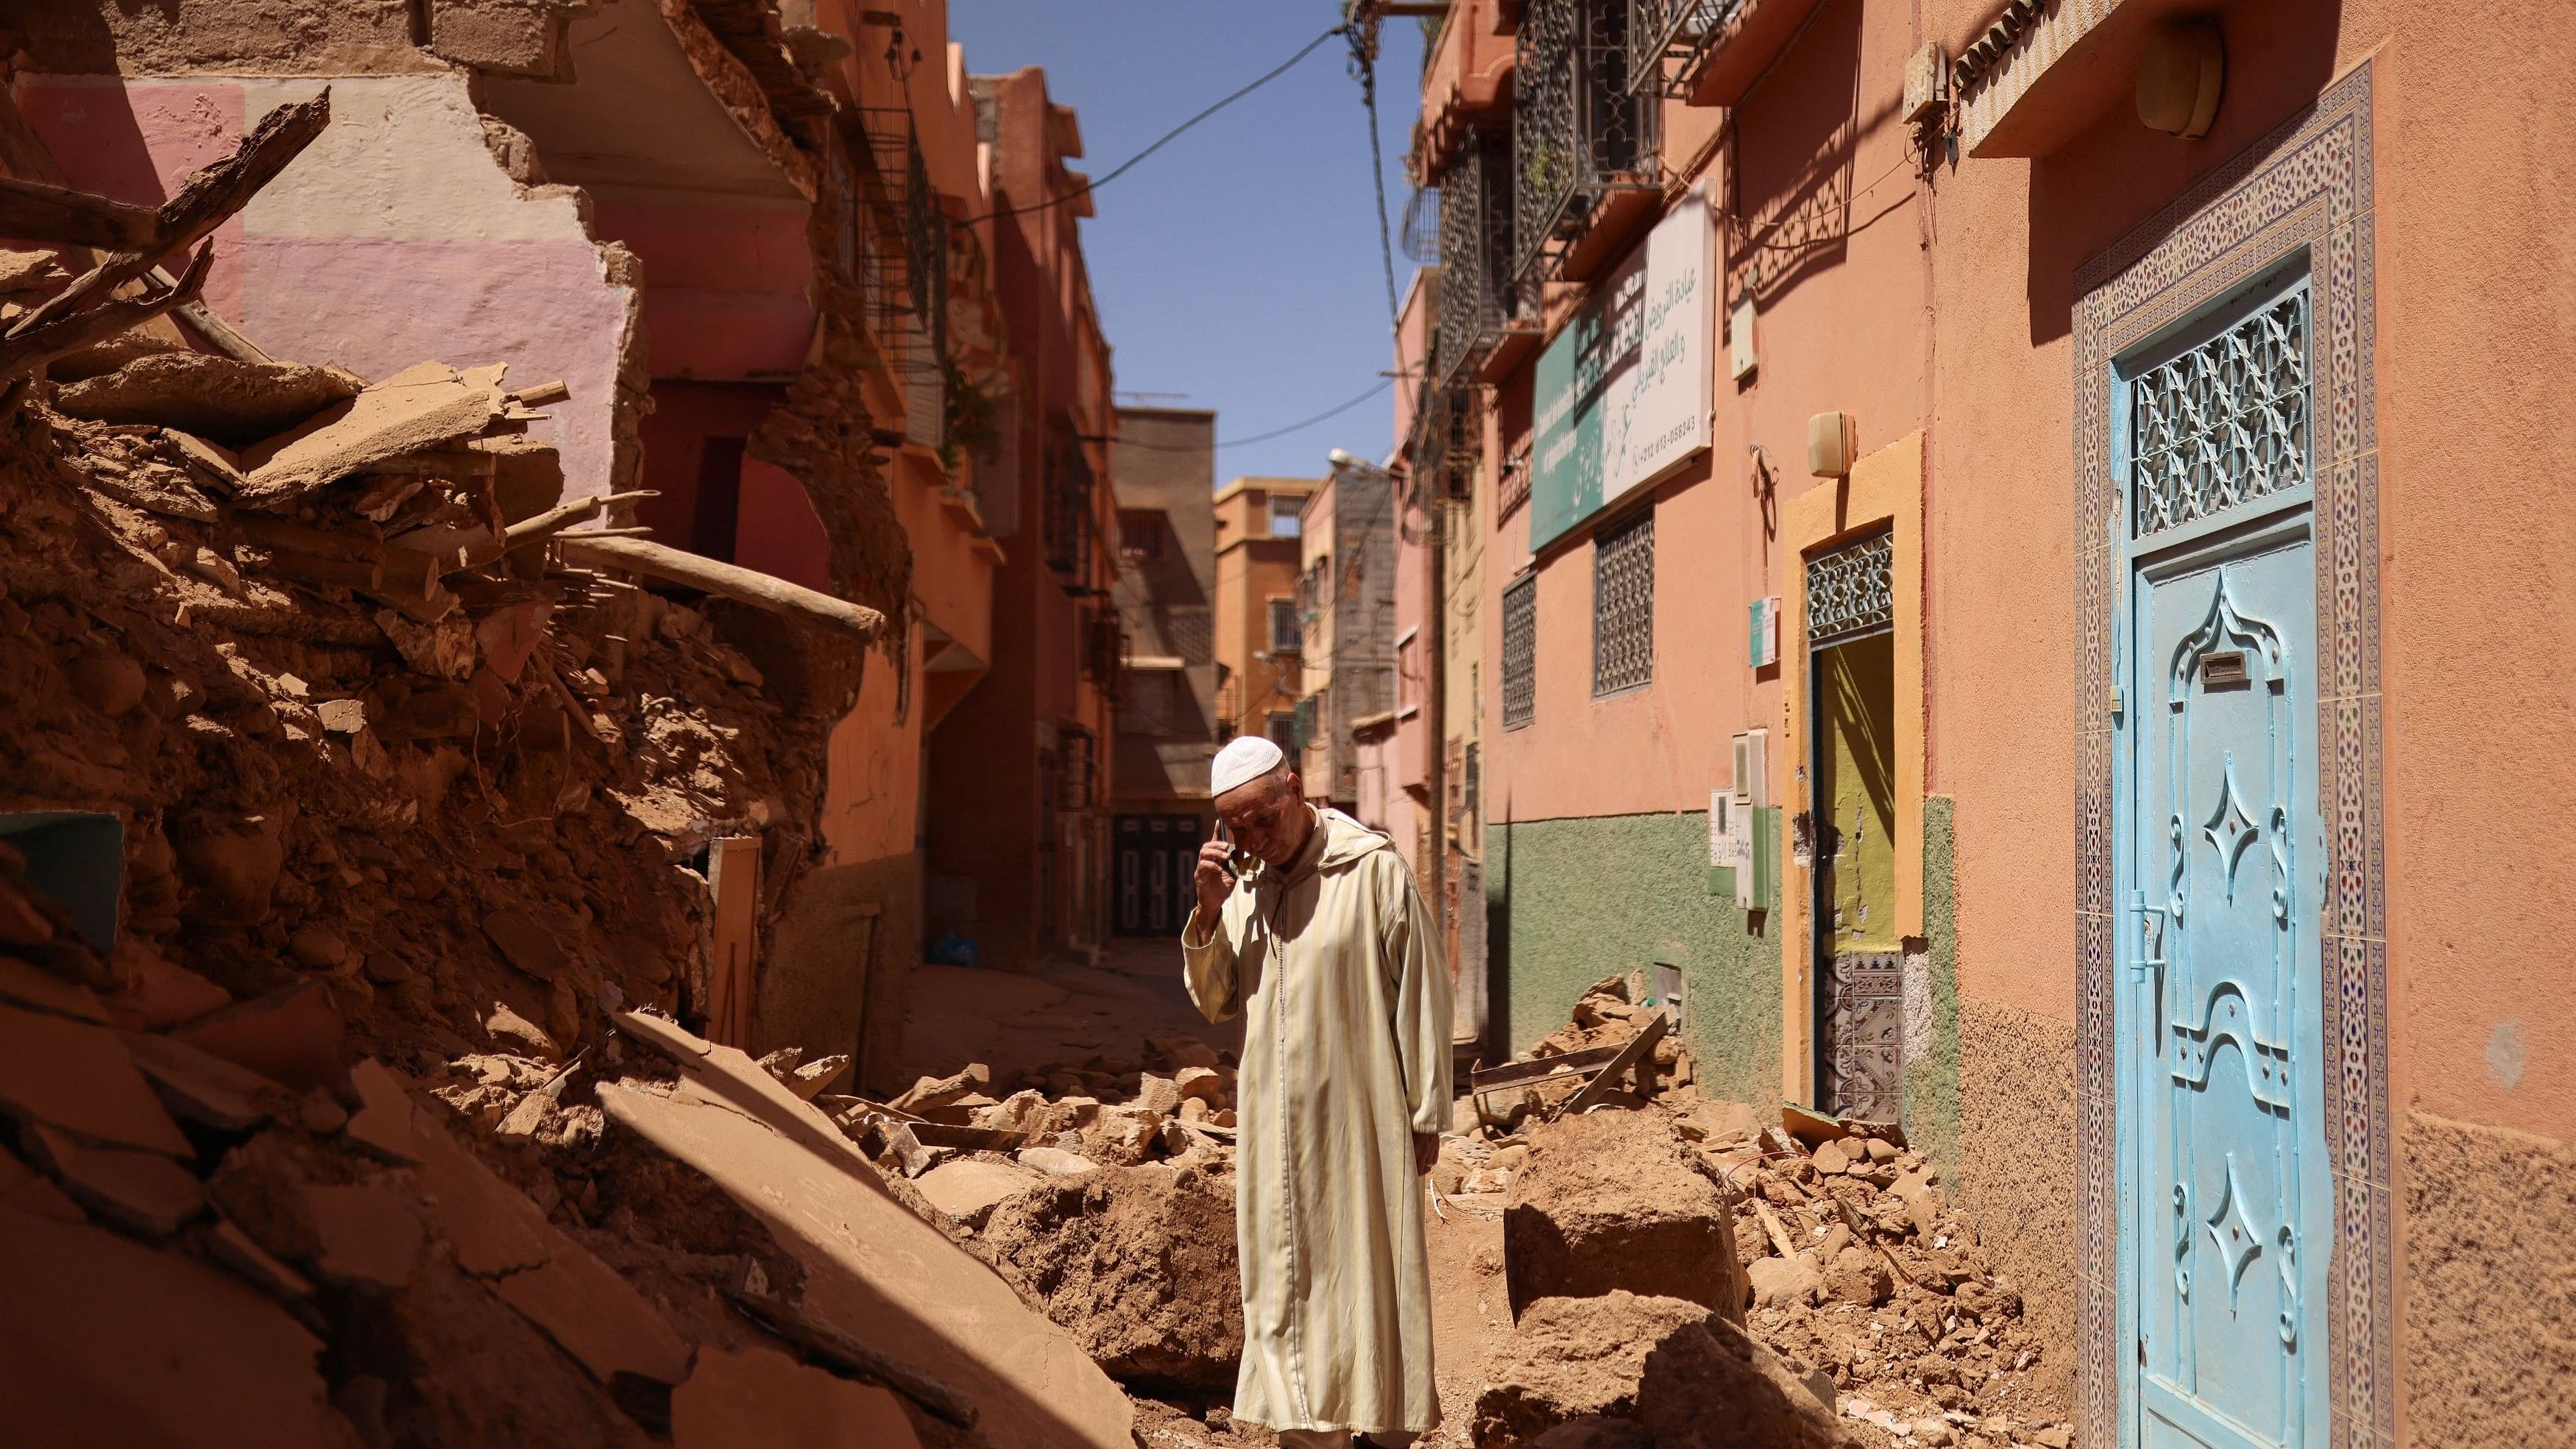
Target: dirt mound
<point x="1686" y="1376"/>
<point x="1138" y="1264"/>
<point x="1612" y="1199"/>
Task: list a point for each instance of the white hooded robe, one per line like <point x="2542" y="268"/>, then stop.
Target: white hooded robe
<point x="1338" y="963"/>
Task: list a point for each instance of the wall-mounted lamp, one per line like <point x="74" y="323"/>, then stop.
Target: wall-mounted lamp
<point x="1832" y="441"/>
<point x="2180" y="78"/>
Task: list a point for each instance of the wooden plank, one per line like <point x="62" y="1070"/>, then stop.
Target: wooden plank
<point x="1772" y="1229"/>
<point x="741" y="585"/>
<point x="1544" y="1069"/>
<point x="1637" y="1050"/>
<point x="205" y="201"/>
<point x="973" y="1139"/>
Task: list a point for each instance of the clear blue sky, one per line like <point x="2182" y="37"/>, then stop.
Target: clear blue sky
<point x="1239" y="264"/>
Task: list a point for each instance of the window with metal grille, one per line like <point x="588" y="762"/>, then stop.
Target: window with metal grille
<point x="1068" y="504"/>
<point x="1671" y="41"/>
<point x="1849" y="591"/>
<point x="1287" y="517"/>
<point x="1286" y="637"/>
<point x="1479" y="293"/>
<point x="1076" y="777"/>
<point x="1577" y="133"/>
<point x="1520" y="653"/>
<point x="1623" y="606"/>
<point x="1281" y="726"/>
<point x="1140" y="533"/>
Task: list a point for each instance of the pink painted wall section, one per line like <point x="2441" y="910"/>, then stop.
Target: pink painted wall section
<point x="134" y="141"/>
<point x="777" y="531"/>
<point x="395" y="238"/>
<point x="726" y="287"/>
<point x="872" y="794"/>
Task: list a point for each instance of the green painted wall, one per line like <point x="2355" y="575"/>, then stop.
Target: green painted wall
<point x="1932" y="1073"/>
<point x="1571" y="901"/>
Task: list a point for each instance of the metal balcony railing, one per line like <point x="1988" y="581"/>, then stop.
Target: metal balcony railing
<point x="902" y="247"/>
<point x="1444" y="445"/>
<point x="1067" y="520"/>
<point x="1669" y="39"/>
<point x="1578" y="131"/>
<point x="1480" y="293"/>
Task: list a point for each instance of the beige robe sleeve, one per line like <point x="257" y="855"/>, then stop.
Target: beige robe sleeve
<point x="1211" y="955"/>
<point x="1418" y="970"/>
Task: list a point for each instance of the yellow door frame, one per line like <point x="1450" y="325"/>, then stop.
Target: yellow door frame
<point x="1884" y="491"/>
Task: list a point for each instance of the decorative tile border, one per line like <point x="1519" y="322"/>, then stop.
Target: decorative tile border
<point x="2308" y="185"/>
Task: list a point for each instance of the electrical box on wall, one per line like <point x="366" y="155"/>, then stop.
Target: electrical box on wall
<point x="1832" y="443"/>
<point x="1757" y="886"/>
<point x="1762" y="632"/>
<point x="1740" y="357"/>
<point x="1753" y="768"/>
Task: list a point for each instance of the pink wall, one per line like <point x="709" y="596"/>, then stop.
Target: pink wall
<point x="726" y="287"/>
<point x="395" y="238"/>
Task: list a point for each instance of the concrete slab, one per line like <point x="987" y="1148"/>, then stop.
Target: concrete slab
<point x="881" y="1275"/>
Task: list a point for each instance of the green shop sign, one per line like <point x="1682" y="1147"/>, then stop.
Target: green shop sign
<point x="1622" y="396"/>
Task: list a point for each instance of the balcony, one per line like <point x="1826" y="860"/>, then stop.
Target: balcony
<point x="1445" y="444"/>
<point x="1583" y="141"/>
<point x="1067" y="524"/>
<point x="1708" y="52"/>
<point x="900" y="242"/>
<point x="1484" y="308"/>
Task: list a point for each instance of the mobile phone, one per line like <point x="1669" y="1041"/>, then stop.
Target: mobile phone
<point x="1237" y="859"/>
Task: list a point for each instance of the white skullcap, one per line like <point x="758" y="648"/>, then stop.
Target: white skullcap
<point x="1244" y="759"/>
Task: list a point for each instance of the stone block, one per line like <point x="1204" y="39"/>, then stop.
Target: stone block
<point x="1612" y="1199"/>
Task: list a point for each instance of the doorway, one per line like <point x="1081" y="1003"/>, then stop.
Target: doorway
<point x="1151" y="863"/>
<point x="2226" y="1192"/>
<point x="1849" y="824"/>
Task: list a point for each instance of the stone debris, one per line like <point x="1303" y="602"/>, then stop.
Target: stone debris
<point x="315" y="1152"/>
<point x="1685" y="1375"/>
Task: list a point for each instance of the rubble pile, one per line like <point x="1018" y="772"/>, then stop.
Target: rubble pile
<point x="326" y="1114"/>
<point x="1844" y="1266"/>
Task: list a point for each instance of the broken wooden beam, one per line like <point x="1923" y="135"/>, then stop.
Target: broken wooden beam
<point x="24" y="351"/>
<point x="1544" y="1069"/>
<point x="34" y="211"/>
<point x="1637" y="1053"/>
<point x="742" y="585"/>
<point x="205" y="201"/>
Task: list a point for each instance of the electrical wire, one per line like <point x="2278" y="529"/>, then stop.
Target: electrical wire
<point x="1092" y="184"/>
<point x="1364" y="67"/>
<point x="1329" y="413"/>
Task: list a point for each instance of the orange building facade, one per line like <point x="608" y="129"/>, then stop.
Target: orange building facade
<point x="1971" y="645"/>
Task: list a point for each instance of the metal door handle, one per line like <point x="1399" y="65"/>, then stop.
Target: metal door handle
<point x="2151" y="935"/>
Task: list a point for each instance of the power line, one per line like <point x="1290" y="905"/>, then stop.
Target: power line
<point x="1364" y="68"/>
<point x="1094" y="183"/>
<point x="1334" y="411"/>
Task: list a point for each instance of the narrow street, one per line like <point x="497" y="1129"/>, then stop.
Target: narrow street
<point x="1338" y="724"/>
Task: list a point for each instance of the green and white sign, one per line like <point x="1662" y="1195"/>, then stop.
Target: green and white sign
<point x="1622" y="396"/>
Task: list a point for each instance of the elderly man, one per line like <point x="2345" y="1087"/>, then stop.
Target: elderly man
<point x="1326" y="945"/>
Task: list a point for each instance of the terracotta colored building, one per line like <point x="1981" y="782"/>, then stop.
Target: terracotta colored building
<point x="1970" y="644"/>
<point x="1346" y="677"/>
<point x="1260" y="635"/>
<point x="1017" y="816"/>
<point x="1165" y="464"/>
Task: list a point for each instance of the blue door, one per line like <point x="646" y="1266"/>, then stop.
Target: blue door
<point x="2227" y="1206"/>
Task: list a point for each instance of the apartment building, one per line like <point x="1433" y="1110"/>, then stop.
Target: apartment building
<point x="1260" y="631"/>
<point x="1962" y="633"/>
<point x="1165" y="465"/>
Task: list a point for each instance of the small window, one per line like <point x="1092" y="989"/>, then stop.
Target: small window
<point x="1520" y="653"/>
<point x="1283" y="730"/>
<point x="1140" y="533"/>
<point x="1623" y="606"/>
<point x="1284" y="630"/>
<point x="1287" y="518"/>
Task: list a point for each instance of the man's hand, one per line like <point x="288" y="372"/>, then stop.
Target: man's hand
<point x="1213" y="881"/>
<point x="1426" y="1151"/>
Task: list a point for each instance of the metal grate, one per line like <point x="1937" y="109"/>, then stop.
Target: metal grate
<point x="1623" y="607"/>
<point x="1067" y="521"/>
<point x="1446" y="443"/>
<point x="1683" y="32"/>
<point x="1479" y="294"/>
<point x="1576" y="131"/>
<point x="1520" y="653"/>
<point x="1849" y="591"/>
<point x="1420" y="235"/>
<point x="902" y="260"/>
<point x="2223" y="424"/>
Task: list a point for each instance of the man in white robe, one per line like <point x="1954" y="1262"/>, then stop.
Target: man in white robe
<point x="1316" y="933"/>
